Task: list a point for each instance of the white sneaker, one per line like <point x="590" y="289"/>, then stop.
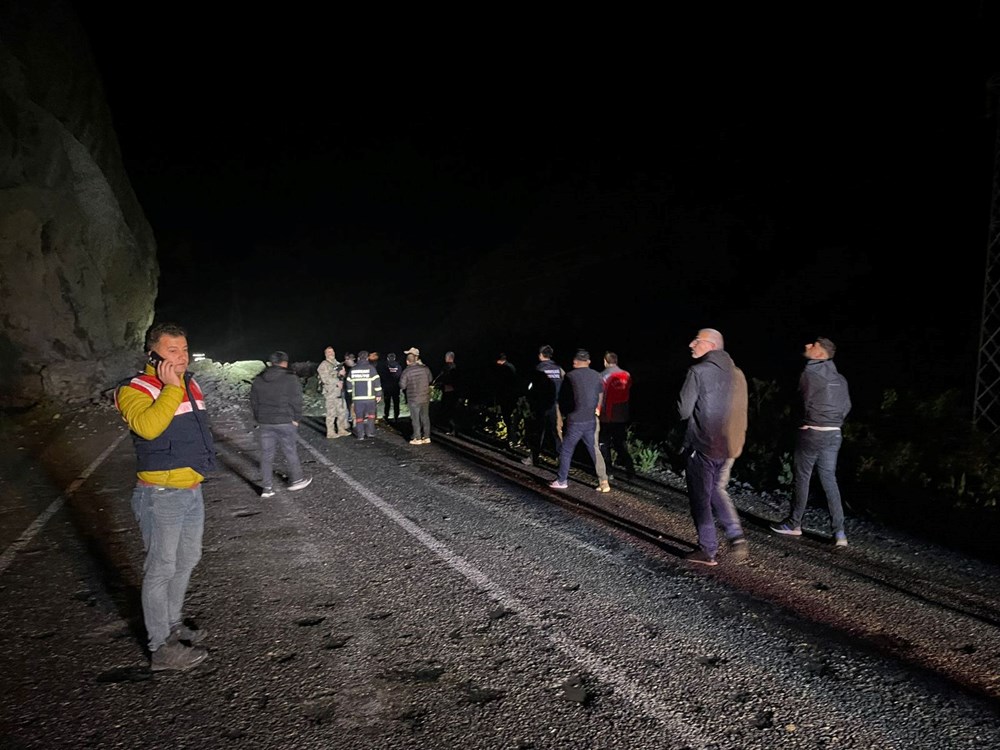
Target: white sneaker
<point x="301" y="484"/>
<point x="416" y="441"/>
<point x="268" y="492"/>
<point x="425" y="441"/>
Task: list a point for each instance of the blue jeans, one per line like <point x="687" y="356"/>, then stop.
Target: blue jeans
<point x="586" y="433"/>
<point x="818" y="449"/>
<point x="420" y="418"/>
<point x="271" y="436"/>
<point x="706" y="481"/>
<point x="172" y="522"/>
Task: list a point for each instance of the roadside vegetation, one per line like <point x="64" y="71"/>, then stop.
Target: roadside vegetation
<point x="914" y="462"/>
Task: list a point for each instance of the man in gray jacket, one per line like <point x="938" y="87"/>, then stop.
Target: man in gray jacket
<point x="713" y="400"/>
<point x="415" y="382"/>
<point x="276" y="402"/>
<point x="826" y="403"/>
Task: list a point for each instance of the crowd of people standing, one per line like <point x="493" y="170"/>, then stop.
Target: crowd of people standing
<point x="166" y="413"/>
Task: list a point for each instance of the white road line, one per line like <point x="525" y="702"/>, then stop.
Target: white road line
<point x="22" y="541"/>
<point x="681" y="732"/>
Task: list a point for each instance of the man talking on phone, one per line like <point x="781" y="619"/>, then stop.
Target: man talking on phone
<point x="165" y="410"/>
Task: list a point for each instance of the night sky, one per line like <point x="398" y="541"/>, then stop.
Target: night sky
<point x="584" y="182"/>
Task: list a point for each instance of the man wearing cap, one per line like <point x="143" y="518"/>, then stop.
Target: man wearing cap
<point x="276" y="402"/>
<point x="713" y="400"/>
<point x="415" y="382"/>
<point x="580" y="398"/>
<point x="826" y="403"/>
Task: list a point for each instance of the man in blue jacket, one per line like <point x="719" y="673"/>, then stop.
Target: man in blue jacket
<point x="826" y="403"/>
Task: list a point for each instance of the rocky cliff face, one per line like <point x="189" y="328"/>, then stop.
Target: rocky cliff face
<point x="78" y="268"/>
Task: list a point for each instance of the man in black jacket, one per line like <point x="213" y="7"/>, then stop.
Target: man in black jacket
<point x="543" y="398"/>
<point x="276" y="401"/>
<point x="826" y="403"/>
<point x="713" y="400"/>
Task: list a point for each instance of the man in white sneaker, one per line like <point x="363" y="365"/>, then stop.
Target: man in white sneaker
<point x="415" y="382"/>
<point x="276" y="402"/>
<point x="826" y="402"/>
<point x="165" y="411"/>
<point x="581" y="398"/>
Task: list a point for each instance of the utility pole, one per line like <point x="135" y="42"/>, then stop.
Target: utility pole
<point x="986" y="408"/>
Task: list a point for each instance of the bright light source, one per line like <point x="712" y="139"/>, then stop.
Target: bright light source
<point x="198" y="356"/>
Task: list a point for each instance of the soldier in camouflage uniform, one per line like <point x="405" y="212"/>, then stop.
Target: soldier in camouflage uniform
<point x="331" y="376"/>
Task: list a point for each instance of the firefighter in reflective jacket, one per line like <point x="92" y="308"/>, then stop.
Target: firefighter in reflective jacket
<point x="365" y="389"/>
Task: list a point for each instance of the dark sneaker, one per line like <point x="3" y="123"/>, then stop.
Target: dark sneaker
<point x="558" y="485"/>
<point x="268" y="492"/>
<point x="700" y="557"/>
<point x="183" y="633"/>
<point x="841" y="539"/>
<point x="301" y="484"/>
<point x="739" y="550"/>
<point x="176" y="656"/>
<point x="786" y="528"/>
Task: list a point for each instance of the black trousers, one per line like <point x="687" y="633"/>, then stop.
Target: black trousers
<point x="613" y="435"/>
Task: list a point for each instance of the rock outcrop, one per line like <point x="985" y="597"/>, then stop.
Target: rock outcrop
<point x="78" y="267"/>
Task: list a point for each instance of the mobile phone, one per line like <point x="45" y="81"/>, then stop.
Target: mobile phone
<point x="154" y="358"/>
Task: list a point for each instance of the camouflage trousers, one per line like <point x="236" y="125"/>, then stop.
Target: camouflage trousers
<point x="336" y="417"/>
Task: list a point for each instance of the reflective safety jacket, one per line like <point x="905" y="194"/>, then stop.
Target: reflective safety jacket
<point x="363" y="383"/>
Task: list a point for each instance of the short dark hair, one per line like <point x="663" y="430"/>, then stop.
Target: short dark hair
<point x="611" y="358"/>
<point x="277" y="357"/>
<point x="160" y="330"/>
<point x="582" y="355"/>
<point x="362" y="355"/>
<point x="546" y="351"/>
<point x="828" y="346"/>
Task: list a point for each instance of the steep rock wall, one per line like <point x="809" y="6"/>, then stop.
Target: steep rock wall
<point x="78" y="268"/>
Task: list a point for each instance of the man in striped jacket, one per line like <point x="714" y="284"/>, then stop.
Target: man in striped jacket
<point x="165" y="410"/>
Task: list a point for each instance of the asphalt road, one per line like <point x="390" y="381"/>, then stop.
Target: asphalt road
<point x="412" y="598"/>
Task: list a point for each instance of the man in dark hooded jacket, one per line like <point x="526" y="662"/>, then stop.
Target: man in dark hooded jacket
<point x="713" y="400"/>
<point x="276" y="402"/>
<point x="826" y="403"/>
